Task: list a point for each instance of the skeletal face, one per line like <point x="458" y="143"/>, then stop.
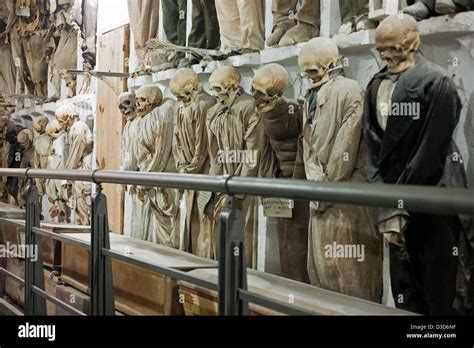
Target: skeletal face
<point x="184" y="85"/>
<point x="40" y="123"/>
<point x="397" y="39"/>
<point x="53" y="129"/>
<point x="148" y="98"/>
<point x="66" y="116"/>
<point x="225" y="82"/>
<point x="268" y="86"/>
<point x="25" y="139"/>
<point x="127" y="105"/>
<point x="316" y="59"/>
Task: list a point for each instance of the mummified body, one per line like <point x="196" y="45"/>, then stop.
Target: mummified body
<point x="56" y="159"/>
<point x="42" y="144"/>
<point x="415" y="147"/>
<point x="334" y="151"/>
<point x="190" y="150"/>
<point x="15" y="155"/>
<point x="127" y="106"/>
<point x="154" y="154"/>
<point x="78" y="156"/>
<point x="234" y="128"/>
<point x="25" y="141"/>
<point x="4" y="151"/>
<point x="28" y="36"/>
<point x="282" y="123"/>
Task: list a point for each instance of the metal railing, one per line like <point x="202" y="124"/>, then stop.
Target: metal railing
<point x="232" y="277"/>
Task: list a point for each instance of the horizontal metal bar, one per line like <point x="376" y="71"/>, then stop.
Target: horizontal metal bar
<point x="57" y="302"/>
<point x="422" y="199"/>
<point x="277" y="306"/>
<point x="62" y="238"/>
<point x="173" y="273"/>
<point x="13" y="276"/>
<point x="99" y="73"/>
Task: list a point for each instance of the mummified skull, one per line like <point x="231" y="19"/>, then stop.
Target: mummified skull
<point x="225" y="83"/>
<point x="317" y="58"/>
<point x="397" y="39"/>
<point x="127" y="105"/>
<point x="66" y="115"/>
<point x="40" y="123"/>
<point x="184" y="85"/>
<point x="53" y="129"/>
<point x="268" y="86"/>
<point x="148" y="98"/>
<point x="25" y="139"/>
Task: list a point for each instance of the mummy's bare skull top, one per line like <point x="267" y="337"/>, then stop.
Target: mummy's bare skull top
<point x="397" y="39"/>
<point x="147" y="98"/>
<point x="317" y="59"/>
<point x="25" y="139"/>
<point x="225" y="83"/>
<point x="127" y="105"/>
<point x="184" y="85"/>
<point x="268" y="85"/>
<point x="66" y="115"/>
<point x="40" y="123"/>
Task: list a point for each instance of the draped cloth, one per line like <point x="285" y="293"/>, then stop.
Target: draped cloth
<point x="190" y="150"/>
<point x="233" y="131"/>
<point x="41" y="144"/>
<point x="144" y="17"/>
<point x="154" y="154"/>
<point x="333" y="151"/>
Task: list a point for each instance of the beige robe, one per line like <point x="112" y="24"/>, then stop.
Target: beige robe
<point x="79" y="157"/>
<point x="231" y="130"/>
<point x="333" y="151"/>
<point x="56" y="160"/>
<point x="241" y="24"/>
<point x="144" y="16"/>
<point x="191" y="156"/>
<point x="129" y="163"/>
<point x="155" y="141"/>
<point x="42" y="144"/>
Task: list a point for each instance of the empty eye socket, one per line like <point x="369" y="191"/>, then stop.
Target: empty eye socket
<point x="217" y="89"/>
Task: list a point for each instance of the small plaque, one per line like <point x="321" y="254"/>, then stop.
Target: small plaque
<point x="278" y="207"/>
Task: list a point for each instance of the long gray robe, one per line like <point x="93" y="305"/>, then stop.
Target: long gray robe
<point x="190" y="150"/>
<point x="333" y="151"/>
<point x="155" y="141"/>
<point x="237" y="129"/>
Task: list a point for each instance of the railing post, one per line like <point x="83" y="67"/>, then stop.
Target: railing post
<point x="232" y="268"/>
<point x="102" y="291"/>
<point x="34" y="270"/>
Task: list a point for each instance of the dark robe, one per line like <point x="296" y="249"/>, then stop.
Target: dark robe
<point x="14" y="158"/>
<point x="420" y="151"/>
<point x="283" y="126"/>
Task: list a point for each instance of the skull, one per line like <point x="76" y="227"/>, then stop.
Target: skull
<point x="184" y="85"/>
<point x="268" y="86"/>
<point x="397" y="39"/>
<point x="53" y="129"/>
<point x="148" y="98"/>
<point x="25" y="139"/>
<point x="317" y="58"/>
<point x="225" y="83"/>
<point x="66" y="116"/>
<point x="127" y="105"/>
<point x="40" y="123"/>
